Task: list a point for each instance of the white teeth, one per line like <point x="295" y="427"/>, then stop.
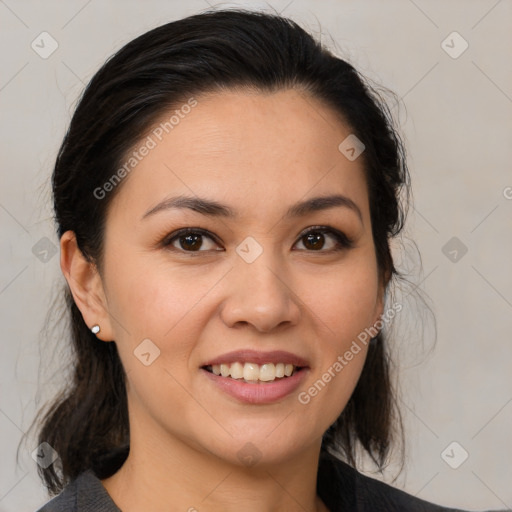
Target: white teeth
<point x="237" y="370"/>
<point x="267" y="372"/>
<point x="252" y="372"/>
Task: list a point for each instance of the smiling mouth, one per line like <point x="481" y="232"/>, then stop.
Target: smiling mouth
<point x="254" y="373"/>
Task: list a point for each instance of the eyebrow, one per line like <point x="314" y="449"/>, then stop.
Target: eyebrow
<point x="216" y="209"/>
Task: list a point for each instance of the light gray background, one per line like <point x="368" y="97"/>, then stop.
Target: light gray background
<point x="457" y="122"/>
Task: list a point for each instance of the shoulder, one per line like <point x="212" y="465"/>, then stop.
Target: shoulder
<point x="84" y="494"/>
<point x="341" y="487"/>
<point x="375" y="494"/>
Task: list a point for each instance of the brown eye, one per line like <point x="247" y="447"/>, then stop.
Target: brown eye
<point x="190" y="240"/>
<point x="318" y="238"/>
<point x="314" y="241"/>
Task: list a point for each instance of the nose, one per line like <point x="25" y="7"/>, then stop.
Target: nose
<point x="260" y="294"/>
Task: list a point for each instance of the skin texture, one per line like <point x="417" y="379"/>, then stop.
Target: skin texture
<point x="258" y="153"/>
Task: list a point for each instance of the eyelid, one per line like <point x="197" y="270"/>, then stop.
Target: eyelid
<point x="323" y="229"/>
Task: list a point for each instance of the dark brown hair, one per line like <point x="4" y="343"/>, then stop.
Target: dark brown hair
<point x="230" y="49"/>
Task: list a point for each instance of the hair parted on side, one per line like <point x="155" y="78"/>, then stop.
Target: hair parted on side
<point x="216" y="50"/>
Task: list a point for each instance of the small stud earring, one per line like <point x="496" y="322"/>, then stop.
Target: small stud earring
<point x="95" y="329"/>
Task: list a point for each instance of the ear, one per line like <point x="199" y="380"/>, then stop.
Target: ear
<point x="86" y="286"/>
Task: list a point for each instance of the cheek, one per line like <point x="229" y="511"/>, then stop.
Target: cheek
<point x="342" y="301"/>
<point x="343" y="305"/>
<point x="149" y="300"/>
<point x="142" y="290"/>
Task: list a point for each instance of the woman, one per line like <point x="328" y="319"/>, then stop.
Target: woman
<point x="225" y="198"/>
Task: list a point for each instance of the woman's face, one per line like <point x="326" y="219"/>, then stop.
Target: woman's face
<point x="247" y="278"/>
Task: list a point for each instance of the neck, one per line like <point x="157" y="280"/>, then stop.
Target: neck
<point x="161" y="472"/>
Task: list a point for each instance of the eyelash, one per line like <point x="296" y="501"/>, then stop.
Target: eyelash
<point x="344" y="242"/>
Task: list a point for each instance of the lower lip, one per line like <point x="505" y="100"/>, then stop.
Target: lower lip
<point x="258" y="393"/>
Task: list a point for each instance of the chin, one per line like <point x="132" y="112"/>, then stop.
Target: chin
<point x="261" y="449"/>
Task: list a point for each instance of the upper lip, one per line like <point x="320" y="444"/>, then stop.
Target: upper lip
<point x="258" y="357"/>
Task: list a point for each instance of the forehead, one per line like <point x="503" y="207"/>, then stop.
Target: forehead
<point x="249" y="146"/>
